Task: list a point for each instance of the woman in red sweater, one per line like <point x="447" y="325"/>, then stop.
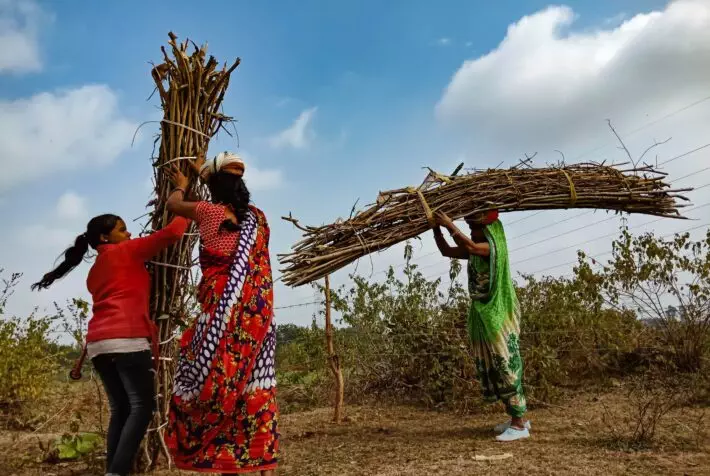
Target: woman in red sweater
<point x="120" y="334"/>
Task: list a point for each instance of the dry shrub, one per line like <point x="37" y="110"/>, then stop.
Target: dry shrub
<point x="651" y="397"/>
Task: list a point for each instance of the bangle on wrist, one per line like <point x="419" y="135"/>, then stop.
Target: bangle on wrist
<point x="179" y="189"/>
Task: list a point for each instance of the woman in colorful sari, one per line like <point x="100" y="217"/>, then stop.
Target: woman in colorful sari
<point x="494" y="315"/>
<point x="223" y="413"/>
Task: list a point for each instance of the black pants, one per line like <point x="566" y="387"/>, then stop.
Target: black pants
<point x="128" y="380"/>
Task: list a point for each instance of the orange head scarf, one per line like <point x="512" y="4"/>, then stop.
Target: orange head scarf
<point x="484" y="218"/>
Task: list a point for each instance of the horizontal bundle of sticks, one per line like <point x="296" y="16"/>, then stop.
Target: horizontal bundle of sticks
<point x="401" y="214"/>
<point x="191" y="88"/>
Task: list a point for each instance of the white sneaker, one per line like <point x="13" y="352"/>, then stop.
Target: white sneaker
<point x="512" y="434"/>
<point x="501" y="427"/>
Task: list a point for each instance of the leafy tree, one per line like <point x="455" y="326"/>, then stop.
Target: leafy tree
<point x="662" y="280"/>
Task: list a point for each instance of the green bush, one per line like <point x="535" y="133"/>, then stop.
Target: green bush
<point x="304" y="380"/>
<point x="405" y="339"/>
<point x="569" y="337"/>
<point x="665" y="283"/>
<point x="72" y="445"/>
<point x="28" y="354"/>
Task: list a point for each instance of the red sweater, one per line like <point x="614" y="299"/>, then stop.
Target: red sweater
<point x="120" y="285"/>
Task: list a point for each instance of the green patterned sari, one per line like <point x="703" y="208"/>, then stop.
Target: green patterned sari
<point x="494" y="324"/>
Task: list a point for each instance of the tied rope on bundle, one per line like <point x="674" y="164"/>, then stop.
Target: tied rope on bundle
<point x="396" y="216"/>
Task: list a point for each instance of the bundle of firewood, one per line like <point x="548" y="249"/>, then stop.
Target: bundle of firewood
<point x="401" y="214"/>
<point x="191" y="88"/>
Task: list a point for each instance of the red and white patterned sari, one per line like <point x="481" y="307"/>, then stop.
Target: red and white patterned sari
<point x="223" y="413"/>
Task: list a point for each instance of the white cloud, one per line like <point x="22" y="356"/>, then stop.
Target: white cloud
<point x="71" y="206"/>
<point x="52" y="132"/>
<point x="283" y="101"/>
<point x="443" y="41"/>
<point x="299" y="135"/>
<point x="263" y="179"/>
<point x="44" y="237"/>
<point x="35" y="250"/>
<point x="547" y="87"/>
<point x="59" y="230"/>
<point x="258" y="178"/>
<point x="544" y="84"/>
<point x="20" y="22"/>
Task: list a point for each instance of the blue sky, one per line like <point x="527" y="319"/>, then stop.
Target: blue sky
<point x="372" y="82"/>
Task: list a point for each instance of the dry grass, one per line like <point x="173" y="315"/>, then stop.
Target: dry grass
<point x="568" y="439"/>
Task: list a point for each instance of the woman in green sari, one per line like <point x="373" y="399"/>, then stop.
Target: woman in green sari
<point x="494" y="315"/>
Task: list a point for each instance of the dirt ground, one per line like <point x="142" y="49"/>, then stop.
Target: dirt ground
<point x="571" y="438"/>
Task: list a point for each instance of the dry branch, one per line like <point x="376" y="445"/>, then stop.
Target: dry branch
<point x="403" y="213"/>
<point x="191" y="89"/>
<point x="333" y="358"/>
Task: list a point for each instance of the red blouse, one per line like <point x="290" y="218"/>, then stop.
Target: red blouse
<point x="209" y="217"/>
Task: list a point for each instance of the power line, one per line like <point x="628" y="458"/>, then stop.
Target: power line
<point x="600" y="237"/>
<point x="418" y="258"/>
<point x="526" y="217"/>
<point x="565" y="233"/>
<point x="685" y="154"/>
<point x="603" y="220"/>
<point x="589" y="241"/>
<point x="390" y="336"/>
<point x="507" y="225"/>
<point x="647" y="125"/>
<point x="595" y="258"/>
<point x="611" y="251"/>
<point x="302" y="304"/>
<point x="593" y="347"/>
<point x="552" y="224"/>
<point x="402" y="265"/>
<point x="691" y="174"/>
<point x="571" y="246"/>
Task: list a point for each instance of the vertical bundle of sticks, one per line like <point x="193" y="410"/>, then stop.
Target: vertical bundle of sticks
<point x="191" y="89"/>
